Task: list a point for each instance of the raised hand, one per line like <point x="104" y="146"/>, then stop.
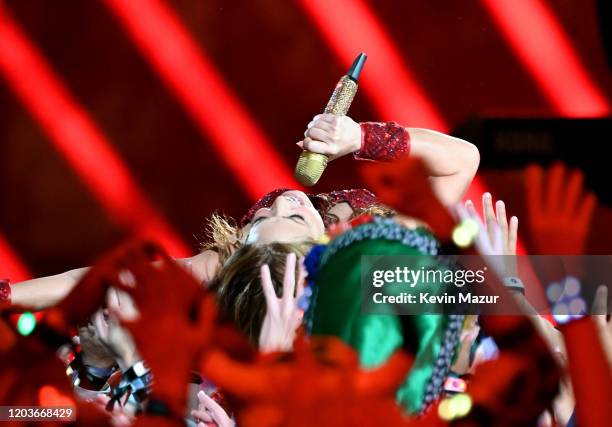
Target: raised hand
<point x="334" y="136"/>
<point x="559" y="210"/>
<point x="210" y="412"/>
<point x="496" y="238"/>
<point x="283" y="316"/>
<point x="116" y="338"/>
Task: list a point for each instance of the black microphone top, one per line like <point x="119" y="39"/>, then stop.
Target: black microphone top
<point x="355" y="69"/>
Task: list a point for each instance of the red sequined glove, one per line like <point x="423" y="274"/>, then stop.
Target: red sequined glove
<point x="5" y="292"/>
<point x="383" y="141"/>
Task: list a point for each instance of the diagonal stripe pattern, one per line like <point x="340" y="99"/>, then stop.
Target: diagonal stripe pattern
<point x="545" y="50"/>
<point x="212" y="105"/>
<point x="78" y="139"/>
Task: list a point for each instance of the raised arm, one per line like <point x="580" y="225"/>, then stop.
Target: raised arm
<point x="452" y="162"/>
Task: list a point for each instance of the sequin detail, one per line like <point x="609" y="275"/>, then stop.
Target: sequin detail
<point x="5" y="291"/>
<point x="383" y="141"/>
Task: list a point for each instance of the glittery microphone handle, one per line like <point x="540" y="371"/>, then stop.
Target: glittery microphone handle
<point x="310" y="166"/>
<point x="342" y="97"/>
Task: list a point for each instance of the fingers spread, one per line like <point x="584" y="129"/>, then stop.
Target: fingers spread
<point x="268" y="289"/>
<point x="502" y="221"/>
<point x="512" y="236"/>
<point x="289" y="282"/>
<point x="573" y="193"/>
<point x="301" y="278"/>
<point x="554" y="190"/>
<point x="585" y="213"/>
<point x="489" y="214"/>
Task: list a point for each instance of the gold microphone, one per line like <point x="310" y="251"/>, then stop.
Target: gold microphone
<point x="310" y="166"/>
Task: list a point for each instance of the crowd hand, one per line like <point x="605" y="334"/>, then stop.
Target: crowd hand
<point x="115" y="337"/>
<point x="334" y="136"/>
<point x="496" y="238"/>
<point x="210" y="413"/>
<point x="559" y="209"/>
<point x="461" y="365"/>
<point x="93" y="350"/>
<point x="283" y="316"/>
<point x="174" y="321"/>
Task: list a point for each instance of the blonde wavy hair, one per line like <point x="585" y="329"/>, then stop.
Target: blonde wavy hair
<point x="237" y="283"/>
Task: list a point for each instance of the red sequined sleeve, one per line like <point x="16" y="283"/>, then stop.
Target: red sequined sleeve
<point x="5" y="292"/>
<point x="383" y="141"/>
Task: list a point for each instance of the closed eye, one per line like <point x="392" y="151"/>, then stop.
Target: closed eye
<point x="259" y="219"/>
<point x="298" y="218"/>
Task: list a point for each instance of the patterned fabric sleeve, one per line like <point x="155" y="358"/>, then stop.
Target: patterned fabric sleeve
<point x="5" y="291"/>
<point x="383" y="141"/>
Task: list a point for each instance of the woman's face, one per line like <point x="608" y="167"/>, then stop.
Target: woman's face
<point x="291" y="218"/>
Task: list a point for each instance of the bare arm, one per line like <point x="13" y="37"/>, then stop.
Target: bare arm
<point x="45" y="292"/>
<point x="452" y="162"/>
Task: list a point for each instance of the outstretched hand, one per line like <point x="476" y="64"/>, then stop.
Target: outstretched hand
<point x="496" y="239"/>
<point x="283" y="316"/>
<point x="210" y="412"/>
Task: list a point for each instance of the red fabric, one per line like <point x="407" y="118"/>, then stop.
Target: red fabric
<point x="5" y="291"/>
<point x="319" y="384"/>
<point x="383" y="141"/>
<point x="590" y="373"/>
<point x="404" y="185"/>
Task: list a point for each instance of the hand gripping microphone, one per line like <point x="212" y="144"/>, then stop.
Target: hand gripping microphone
<point x="310" y="166"/>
